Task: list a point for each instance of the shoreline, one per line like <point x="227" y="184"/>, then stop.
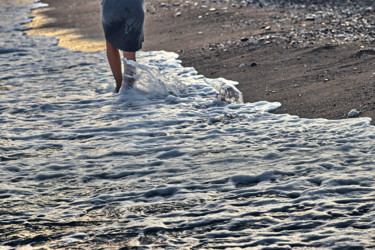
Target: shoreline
<point x="314" y="66"/>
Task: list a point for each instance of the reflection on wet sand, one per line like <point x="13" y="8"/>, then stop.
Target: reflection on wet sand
<point x="68" y="37"/>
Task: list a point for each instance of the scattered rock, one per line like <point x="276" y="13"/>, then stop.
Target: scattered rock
<point x="165" y="5"/>
<point x="310" y="17"/>
<point x="353" y="113"/>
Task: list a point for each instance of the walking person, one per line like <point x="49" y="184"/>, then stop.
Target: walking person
<point x="123" y="29"/>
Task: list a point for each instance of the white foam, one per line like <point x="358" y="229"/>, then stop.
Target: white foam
<point x="167" y="164"/>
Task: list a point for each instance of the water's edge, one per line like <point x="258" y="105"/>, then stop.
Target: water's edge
<point x="166" y="164"/>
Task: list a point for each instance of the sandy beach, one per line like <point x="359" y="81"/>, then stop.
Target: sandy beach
<point x="168" y="165"/>
<point x="316" y="59"/>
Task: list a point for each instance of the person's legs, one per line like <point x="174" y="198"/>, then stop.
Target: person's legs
<point x="129" y="55"/>
<point x="114" y="59"/>
<point x="129" y="70"/>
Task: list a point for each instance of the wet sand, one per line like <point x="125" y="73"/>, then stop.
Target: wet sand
<point x="316" y="60"/>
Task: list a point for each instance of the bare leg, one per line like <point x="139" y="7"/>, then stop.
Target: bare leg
<point x="129" y="70"/>
<point x="114" y="60"/>
<point x="129" y="55"/>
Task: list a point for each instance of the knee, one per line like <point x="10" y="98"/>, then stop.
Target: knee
<point x="129" y="55"/>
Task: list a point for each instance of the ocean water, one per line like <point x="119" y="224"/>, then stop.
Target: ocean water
<point x="166" y="165"/>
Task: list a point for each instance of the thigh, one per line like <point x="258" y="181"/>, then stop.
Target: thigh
<point x="115" y="10"/>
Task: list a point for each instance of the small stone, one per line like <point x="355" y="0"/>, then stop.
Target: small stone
<point x="177" y="14"/>
<point x="310" y="17"/>
<point x="353" y="113"/>
<point x="368" y="9"/>
<point x="200" y="33"/>
<point x="244" y="39"/>
<point x="242" y="65"/>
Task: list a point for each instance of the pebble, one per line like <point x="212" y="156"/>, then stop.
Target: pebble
<point x="165" y="5"/>
<point x="353" y="113"/>
<point x="310" y="17"/>
<point x="369" y="9"/>
<point x="318" y="21"/>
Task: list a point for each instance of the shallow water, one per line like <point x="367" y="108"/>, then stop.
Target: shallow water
<point x="166" y="164"/>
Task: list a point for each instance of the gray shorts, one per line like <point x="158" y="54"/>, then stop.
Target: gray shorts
<point x="123" y="23"/>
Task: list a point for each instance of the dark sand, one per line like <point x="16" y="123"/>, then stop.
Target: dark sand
<point x="317" y="59"/>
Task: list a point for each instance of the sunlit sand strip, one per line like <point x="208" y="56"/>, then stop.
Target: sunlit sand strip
<point x="16" y="2"/>
<point x="68" y="38"/>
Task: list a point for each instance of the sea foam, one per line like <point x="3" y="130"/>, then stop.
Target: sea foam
<point x="166" y="164"/>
